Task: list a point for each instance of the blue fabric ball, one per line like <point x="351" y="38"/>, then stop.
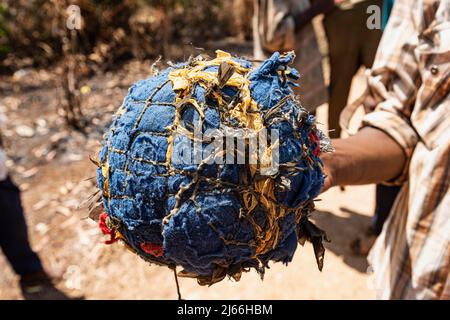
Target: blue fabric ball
<point x="210" y="233"/>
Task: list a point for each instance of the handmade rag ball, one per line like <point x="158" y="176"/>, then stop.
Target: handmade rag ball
<point x="214" y="217"/>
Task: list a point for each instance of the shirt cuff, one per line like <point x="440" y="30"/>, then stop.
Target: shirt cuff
<point x="400" y="130"/>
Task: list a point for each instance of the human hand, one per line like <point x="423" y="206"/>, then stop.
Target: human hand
<point x="328" y="170"/>
<point x="357" y="160"/>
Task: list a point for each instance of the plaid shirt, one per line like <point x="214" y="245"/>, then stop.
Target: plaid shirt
<point x="410" y="80"/>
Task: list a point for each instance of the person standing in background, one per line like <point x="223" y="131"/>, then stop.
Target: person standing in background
<point x="285" y="25"/>
<point x="34" y="282"/>
<point x="282" y="25"/>
<point x="351" y="44"/>
<point x="385" y="195"/>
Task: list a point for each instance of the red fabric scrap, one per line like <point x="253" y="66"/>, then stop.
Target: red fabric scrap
<point x="111" y="232"/>
<point x="314" y="138"/>
<point x="152" y="248"/>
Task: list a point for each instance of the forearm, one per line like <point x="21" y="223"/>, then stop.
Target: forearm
<point x="370" y="156"/>
<point x="317" y="7"/>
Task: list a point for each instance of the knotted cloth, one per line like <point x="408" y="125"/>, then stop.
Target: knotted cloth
<point x="214" y="218"/>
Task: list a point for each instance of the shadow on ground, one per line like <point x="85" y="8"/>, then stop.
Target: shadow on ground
<point x="342" y="230"/>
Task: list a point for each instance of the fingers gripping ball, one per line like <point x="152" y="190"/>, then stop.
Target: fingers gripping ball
<point x="215" y="217"/>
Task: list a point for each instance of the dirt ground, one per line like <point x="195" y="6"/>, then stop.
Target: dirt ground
<point x="52" y="167"/>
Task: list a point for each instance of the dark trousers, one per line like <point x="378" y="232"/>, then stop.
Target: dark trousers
<point x="351" y="45"/>
<point x="13" y="231"/>
<point x="384" y="198"/>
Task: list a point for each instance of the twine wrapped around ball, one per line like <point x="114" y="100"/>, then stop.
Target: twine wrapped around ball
<point x="214" y="218"/>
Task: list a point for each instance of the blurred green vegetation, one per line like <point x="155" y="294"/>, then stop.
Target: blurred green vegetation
<point x="4" y="47"/>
